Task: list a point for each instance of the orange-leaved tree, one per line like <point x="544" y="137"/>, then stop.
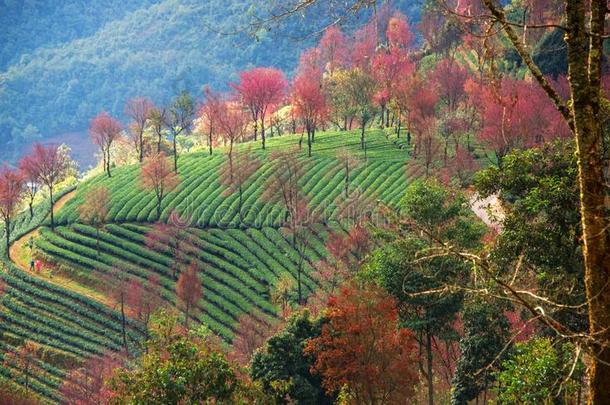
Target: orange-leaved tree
<point x="189" y="290"/>
<point x="158" y="176"/>
<point x="94" y="209"/>
<point x="362" y="350"/>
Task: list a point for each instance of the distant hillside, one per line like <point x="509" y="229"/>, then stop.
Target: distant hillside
<point x="61" y="64"/>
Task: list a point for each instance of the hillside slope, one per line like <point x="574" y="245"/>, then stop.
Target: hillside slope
<point x="240" y="262"/>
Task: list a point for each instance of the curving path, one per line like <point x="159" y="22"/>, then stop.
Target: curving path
<point x="20" y="257"/>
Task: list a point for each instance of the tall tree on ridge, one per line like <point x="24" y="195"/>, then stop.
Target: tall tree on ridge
<point x="139" y="109"/>
<point x="232" y="124"/>
<point x="94" y="211"/>
<point x="209" y="113"/>
<point x="51" y="166"/>
<point x="32" y="183"/>
<point x="104" y="130"/>
<point x="309" y="101"/>
<point x="179" y="120"/>
<point x="157" y="176"/>
<point x="11" y="191"/>
<point x="260" y="89"/>
<point x="157" y="119"/>
<point x="237" y="172"/>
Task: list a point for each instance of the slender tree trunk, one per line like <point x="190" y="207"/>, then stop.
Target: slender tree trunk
<point x="108" y="162"/>
<point x="26" y="372"/>
<point x="344" y="124"/>
<point x="382" y="119"/>
<point x="362" y="135"/>
<point x="263" y="130"/>
<point x="51" y="199"/>
<point x="231" y="159"/>
<point x="123" y="324"/>
<point x="398" y="131"/>
<point x="187" y="310"/>
<point x="159" y="142"/>
<point x="309" y="140"/>
<point x="313" y="134"/>
<point x="175" y="154"/>
<point x="387" y="118"/>
<point x="346" y="179"/>
<point x="241" y="199"/>
<point x="31" y="206"/>
<point x="429" y="360"/>
<point x="159" y="199"/>
<point x="255" y="128"/>
<point x="141" y="146"/>
<point x="97" y="240"/>
<point x="7" y="233"/>
<point x="210" y="140"/>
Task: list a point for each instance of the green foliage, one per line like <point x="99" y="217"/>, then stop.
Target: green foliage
<point x="539" y="373"/>
<point x="486" y="332"/>
<point x="283" y="368"/>
<point x="61" y="63"/>
<point x="542" y="225"/>
<point x="442" y="212"/>
<point x="179" y="368"/>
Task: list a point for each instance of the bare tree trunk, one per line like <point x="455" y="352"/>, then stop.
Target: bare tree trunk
<point x="123" y="322"/>
<point x="210" y="140"/>
<point x="585" y="86"/>
<point x="7" y="232"/>
<point x="51" y="199"/>
<point x="429" y="361"/>
<point x="263" y="130"/>
<point x="141" y="157"/>
<point x="362" y="136"/>
<point x="175" y="154"/>
<point x="97" y="240"/>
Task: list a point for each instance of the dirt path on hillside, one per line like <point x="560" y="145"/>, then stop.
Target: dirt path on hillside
<point x="21" y="256"/>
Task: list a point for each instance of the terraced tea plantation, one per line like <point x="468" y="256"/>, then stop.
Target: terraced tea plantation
<point x="240" y="259"/>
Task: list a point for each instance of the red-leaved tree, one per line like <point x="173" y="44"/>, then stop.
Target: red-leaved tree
<point x="94" y="209"/>
<point x="144" y="298"/>
<point x="189" y="290"/>
<point x="50" y="165"/>
<point x="139" y="110"/>
<point x="86" y="385"/>
<point x="237" y="172"/>
<point x="309" y="101"/>
<point x="260" y="89"/>
<point x="173" y="239"/>
<point x="11" y="192"/>
<point x="334" y="49"/>
<point x="209" y="113"/>
<point x="32" y="183"/>
<point x="104" y="130"/>
<point x="232" y="124"/>
<point x="362" y="348"/>
<point x="158" y="176"/>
